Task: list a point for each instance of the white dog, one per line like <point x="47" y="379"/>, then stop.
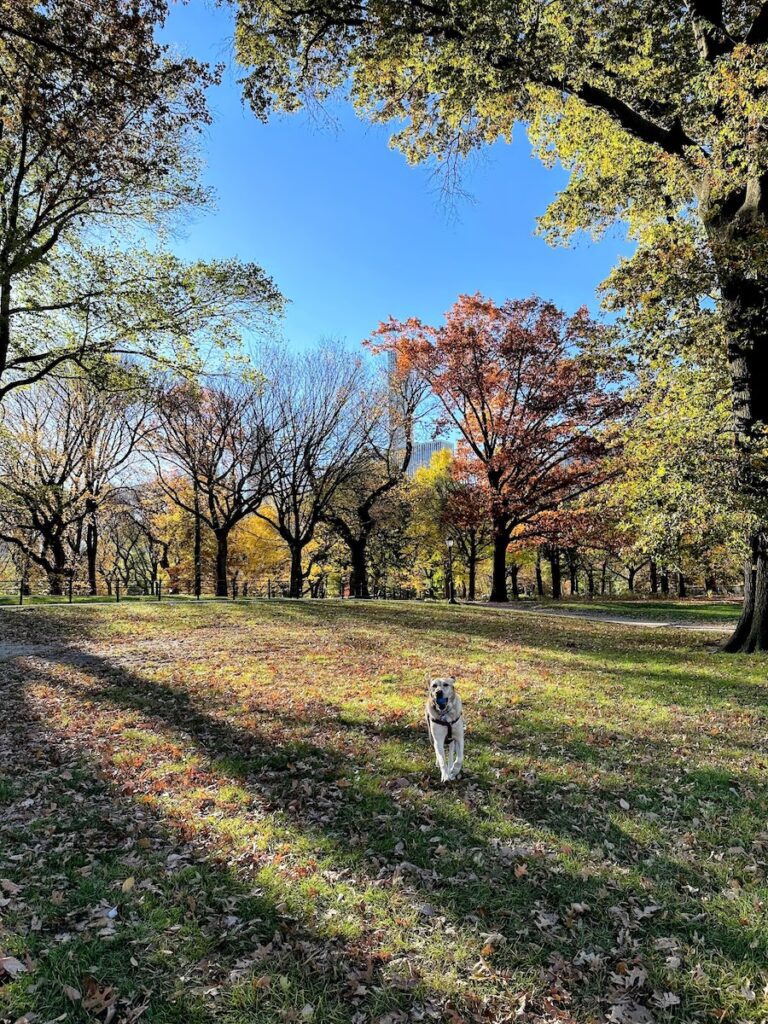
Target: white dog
<point x="445" y="721"/>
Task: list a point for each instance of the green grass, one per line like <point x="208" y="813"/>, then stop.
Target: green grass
<point x="689" y="610"/>
<point x="230" y="813"/>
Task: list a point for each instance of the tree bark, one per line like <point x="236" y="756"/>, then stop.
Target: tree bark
<point x="751" y="633"/>
<point x="472" y="572"/>
<point x="514" y="572"/>
<point x="91" y="552"/>
<point x="358" y="578"/>
<point x="556" y="572"/>
<point x="222" y="555"/>
<point x="653" y="575"/>
<point x="665" y="581"/>
<point x="197" y="553"/>
<point x="631" y="571"/>
<point x="297" y="576"/>
<point x="681" y="591"/>
<point x="736" y="228"/>
<point x="499" y="577"/>
<point x="539" y="577"/>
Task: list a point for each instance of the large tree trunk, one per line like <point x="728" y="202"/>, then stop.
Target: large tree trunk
<point x="91" y="551"/>
<point x="681" y="591"/>
<point x="499" y="577"/>
<point x="653" y="575"/>
<point x="738" y="240"/>
<point x="751" y="633"/>
<point x="222" y="554"/>
<point x="358" y="577"/>
<point x="297" y="575"/>
<point x="58" y="567"/>
<point x="539" y="577"/>
<point x="556" y="572"/>
<point x="631" y="573"/>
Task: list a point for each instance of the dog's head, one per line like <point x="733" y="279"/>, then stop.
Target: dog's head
<point x="442" y="691"/>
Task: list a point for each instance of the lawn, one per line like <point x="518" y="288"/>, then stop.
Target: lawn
<point x="724" y="612"/>
<point x="230" y="813"/>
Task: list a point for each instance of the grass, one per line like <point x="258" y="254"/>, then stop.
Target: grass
<point x="723" y="612"/>
<point x="229" y="813"/>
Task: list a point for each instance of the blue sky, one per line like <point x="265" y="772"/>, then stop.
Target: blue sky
<point x="350" y="232"/>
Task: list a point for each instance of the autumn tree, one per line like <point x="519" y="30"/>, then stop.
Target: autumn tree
<point x="213" y="452"/>
<point x="389" y="413"/>
<point x="530" y="406"/>
<point x="317" y="401"/>
<point x="658" y="110"/>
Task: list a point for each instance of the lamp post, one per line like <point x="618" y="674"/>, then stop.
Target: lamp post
<point x="451" y="595"/>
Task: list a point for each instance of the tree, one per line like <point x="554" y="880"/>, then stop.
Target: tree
<point x="97" y="125"/>
<point x="389" y="416"/>
<point x="657" y="109"/>
<point x="316" y="399"/>
<point x="214" y="442"/>
<point x="531" y="408"/>
<point x="63" y="451"/>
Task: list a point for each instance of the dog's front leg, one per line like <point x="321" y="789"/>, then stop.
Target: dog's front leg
<point x="438" y="741"/>
<point x="458" y="750"/>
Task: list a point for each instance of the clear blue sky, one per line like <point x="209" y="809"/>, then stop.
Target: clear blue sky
<point x="350" y="232"/>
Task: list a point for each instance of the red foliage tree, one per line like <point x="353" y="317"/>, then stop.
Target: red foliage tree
<point x="532" y="408"/>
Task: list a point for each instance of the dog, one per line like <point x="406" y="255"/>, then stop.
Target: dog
<point x="445" y="722"/>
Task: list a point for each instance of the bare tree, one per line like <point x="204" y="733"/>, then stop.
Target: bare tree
<point x="212" y="450"/>
<point x="65" y="447"/>
<point x="390" y="412"/>
<point x="317" y="400"/>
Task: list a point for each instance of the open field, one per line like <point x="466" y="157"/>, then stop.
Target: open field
<point x="230" y="813"/>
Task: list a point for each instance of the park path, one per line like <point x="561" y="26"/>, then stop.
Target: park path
<point x="620" y="620"/>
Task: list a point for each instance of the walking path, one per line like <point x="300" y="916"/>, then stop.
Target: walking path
<point x="620" y="620"/>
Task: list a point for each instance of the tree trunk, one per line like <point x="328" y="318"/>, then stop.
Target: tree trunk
<point x="91" y="551"/>
<point x="198" y="547"/>
<point x="751" y="633"/>
<point x="297" y="576"/>
<point x="472" y="572"/>
<point x="58" y="568"/>
<point x="222" y="554"/>
<point x="665" y="581"/>
<point x="603" y="578"/>
<point x="555" y="570"/>
<point x="539" y="577"/>
<point x="737" y="233"/>
<point x="591" y="581"/>
<point x="654" y="579"/>
<point x="681" y="592"/>
<point x="499" y="577"/>
<point x="514" y="572"/>
<point x="631" y="572"/>
<point x="358" y="578"/>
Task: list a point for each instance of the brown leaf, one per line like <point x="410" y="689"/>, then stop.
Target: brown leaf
<point x="10" y="965"/>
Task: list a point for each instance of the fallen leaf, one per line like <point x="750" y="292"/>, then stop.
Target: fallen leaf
<point x="11" y="965"/>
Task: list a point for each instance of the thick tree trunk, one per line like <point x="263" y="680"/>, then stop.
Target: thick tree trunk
<point x="358" y="578"/>
<point x="539" y="577"/>
<point x="681" y="591"/>
<point x="91" y="553"/>
<point x="297" y="576"/>
<point x="631" y="573"/>
<point x="751" y="633"/>
<point x="222" y="555"/>
<point x="499" y="577"/>
<point x="654" y="578"/>
<point x="56" y="573"/>
<point x="591" y="581"/>
<point x="665" y="581"/>
<point x="556" y="573"/>
<point x="738" y="242"/>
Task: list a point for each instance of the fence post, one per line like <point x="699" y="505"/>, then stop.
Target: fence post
<point x="117" y="590"/>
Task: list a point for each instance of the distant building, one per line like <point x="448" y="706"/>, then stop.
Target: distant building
<point x="423" y="452"/>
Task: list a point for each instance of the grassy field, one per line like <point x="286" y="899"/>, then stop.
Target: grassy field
<point x="230" y="813"/>
<point x="690" y="610"/>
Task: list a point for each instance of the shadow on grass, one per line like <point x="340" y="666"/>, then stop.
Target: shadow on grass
<point x="455" y="840"/>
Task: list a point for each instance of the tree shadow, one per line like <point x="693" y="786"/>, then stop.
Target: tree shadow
<point x="455" y="854"/>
